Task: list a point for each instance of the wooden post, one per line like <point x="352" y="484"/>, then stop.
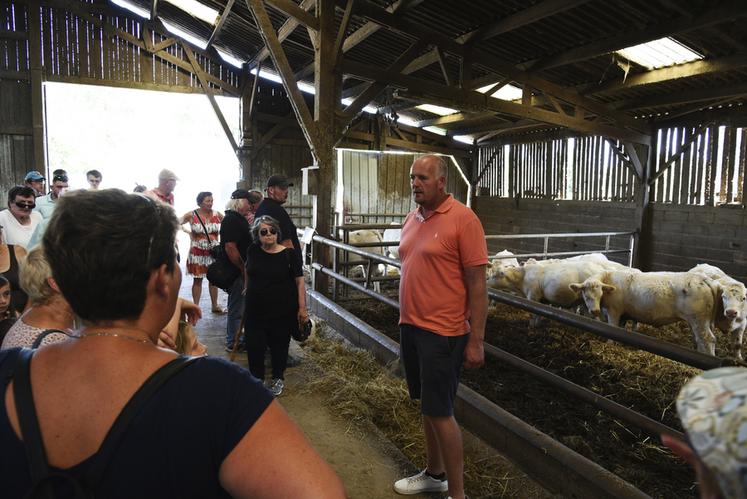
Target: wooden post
<point x="327" y="82"/>
<point x="37" y="94"/>
<point x="246" y="143"/>
<point x="643" y="249"/>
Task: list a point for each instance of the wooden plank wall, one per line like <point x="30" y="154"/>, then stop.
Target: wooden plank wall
<point x="92" y="44"/>
<point x="380" y="183"/>
<point x="710" y="171"/>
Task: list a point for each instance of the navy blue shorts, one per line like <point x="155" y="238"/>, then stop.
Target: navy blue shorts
<point x="432" y="365"/>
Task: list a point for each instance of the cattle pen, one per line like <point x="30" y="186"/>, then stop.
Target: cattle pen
<point x="488" y="420"/>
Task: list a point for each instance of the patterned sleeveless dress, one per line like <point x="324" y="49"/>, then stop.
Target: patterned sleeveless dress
<point x="199" y="250"/>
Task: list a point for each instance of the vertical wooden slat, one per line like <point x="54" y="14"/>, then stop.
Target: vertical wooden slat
<point x="711" y="163"/>
<point x="696" y="180"/>
<point x="574" y="165"/>
<point x="730" y="146"/>
<point x="742" y="182"/>
<point x="511" y="171"/>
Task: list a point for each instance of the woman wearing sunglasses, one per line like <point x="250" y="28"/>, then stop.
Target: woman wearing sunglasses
<point x="275" y="301"/>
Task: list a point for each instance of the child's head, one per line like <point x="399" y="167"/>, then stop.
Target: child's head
<point x="4" y="295"/>
<point x="187" y="343"/>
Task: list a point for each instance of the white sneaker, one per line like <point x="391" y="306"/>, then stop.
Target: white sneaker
<point x="276" y="387"/>
<point x="420" y="483"/>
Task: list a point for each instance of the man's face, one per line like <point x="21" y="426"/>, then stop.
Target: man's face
<point x="243" y="206"/>
<point x="21" y="206"/>
<point x="58" y="188"/>
<point x="426" y="185"/>
<point x="94" y="181"/>
<point x="37" y="185"/>
<point x="278" y="193"/>
<point x="167" y="185"/>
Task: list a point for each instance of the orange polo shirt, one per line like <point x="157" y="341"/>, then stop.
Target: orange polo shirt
<point x="434" y="253"/>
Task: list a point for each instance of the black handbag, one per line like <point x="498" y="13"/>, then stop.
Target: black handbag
<point x="222" y="273"/>
<point x="302" y="333"/>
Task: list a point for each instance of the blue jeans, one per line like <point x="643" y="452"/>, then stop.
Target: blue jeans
<point x="235" y="310"/>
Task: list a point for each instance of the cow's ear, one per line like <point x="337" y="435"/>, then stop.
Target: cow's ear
<point x="576" y="286"/>
<point x="608" y="288"/>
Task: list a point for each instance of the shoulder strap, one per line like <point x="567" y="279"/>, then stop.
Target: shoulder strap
<point x="117" y="432"/>
<point x="32" y="439"/>
<point x="27" y="420"/>
<point x="202" y="223"/>
<point x="38" y="340"/>
<point x="13" y="259"/>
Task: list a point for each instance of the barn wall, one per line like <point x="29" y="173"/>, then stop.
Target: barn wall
<point x="380" y="183"/>
<point x="16" y="141"/>
<point x="542" y="216"/>
<point x="687" y="235"/>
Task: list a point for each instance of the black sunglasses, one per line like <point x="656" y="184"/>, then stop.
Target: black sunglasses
<point x="25" y="206"/>
<point x="264" y="232"/>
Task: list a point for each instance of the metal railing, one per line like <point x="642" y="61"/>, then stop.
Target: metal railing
<point x="658" y="347"/>
<point x="569" y="235"/>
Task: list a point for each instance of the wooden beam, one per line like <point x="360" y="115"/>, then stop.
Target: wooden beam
<point x="696" y="68"/>
<point x="727" y="11"/>
<point x="456" y="118"/>
<point x="162" y="45"/>
<point x="36" y="72"/>
<point x="220" y="23"/>
<point x="262" y="19"/>
<point x="292" y="9"/>
<point x="343" y="30"/>
<point x="638" y="165"/>
<point x="6" y="74"/>
<point x="284" y="32"/>
<point x="366" y="9"/>
<point x="266" y="138"/>
<point x="521" y="18"/>
<point x="197" y="69"/>
<point x="474" y="101"/>
<point x="684" y="97"/>
<point x="373" y="89"/>
<point x="682" y="149"/>
<point x="362" y="33"/>
<point x="442" y="64"/>
<point x="154" y="10"/>
<point x="160" y="87"/>
<point x="16" y="130"/>
<point x="620" y="154"/>
<point x="13" y="35"/>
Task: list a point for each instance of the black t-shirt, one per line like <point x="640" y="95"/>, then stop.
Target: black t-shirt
<point x="272" y="290"/>
<point x="287" y="227"/>
<point x="235" y="229"/>
<point x="174" y="447"/>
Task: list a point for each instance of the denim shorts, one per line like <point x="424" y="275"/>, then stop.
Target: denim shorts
<point x="432" y="365"/>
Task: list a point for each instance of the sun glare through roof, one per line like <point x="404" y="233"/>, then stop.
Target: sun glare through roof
<point x="196" y="9"/>
<point x="506" y="92"/>
<point x="233" y="61"/>
<point x="660" y="53"/>
<point x="132" y="8"/>
<point x="197" y="42"/>
<point x="439" y="110"/>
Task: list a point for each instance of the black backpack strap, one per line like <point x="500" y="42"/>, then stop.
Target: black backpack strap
<point x="38" y="340"/>
<point x="203" y="224"/>
<point x="117" y="432"/>
<point x="27" y="420"/>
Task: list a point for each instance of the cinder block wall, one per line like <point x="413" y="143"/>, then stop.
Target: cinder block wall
<point x="683" y="236"/>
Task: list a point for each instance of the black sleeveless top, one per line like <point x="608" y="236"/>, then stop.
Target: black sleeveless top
<point x="18" y="297"/>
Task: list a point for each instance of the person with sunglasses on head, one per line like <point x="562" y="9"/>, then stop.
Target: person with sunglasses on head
<point x="19" y="221"/>
<point x="275" y="301"/>
<point x="45" y="204"/>
<point x="11" y="258"/>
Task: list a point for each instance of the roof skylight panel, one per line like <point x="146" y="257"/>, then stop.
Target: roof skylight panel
<point x="660" y="53"/>
<point x="197" y="10"/>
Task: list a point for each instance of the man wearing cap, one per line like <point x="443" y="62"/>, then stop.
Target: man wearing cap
<point x="272" y="205"/>
<point x="35" y="180"/>
<point x="235" y="237"/>
<point x="165" y="190"/>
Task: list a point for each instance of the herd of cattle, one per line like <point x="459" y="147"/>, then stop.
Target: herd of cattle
<point x="704" y="297"/>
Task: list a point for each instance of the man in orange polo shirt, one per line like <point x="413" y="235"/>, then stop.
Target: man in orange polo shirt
<point x="443" y="306"/>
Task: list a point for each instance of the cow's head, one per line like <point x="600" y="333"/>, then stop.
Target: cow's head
<point x="507" y="278"/>
<point x="734" y="298"/>
<point x="592" y="290"/>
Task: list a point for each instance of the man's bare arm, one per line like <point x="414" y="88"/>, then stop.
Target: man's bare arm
<point x="477" y="298"/>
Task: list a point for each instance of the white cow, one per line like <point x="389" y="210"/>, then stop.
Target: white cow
<point x="731" y="304"/>
<point x="655" y="298"/>
<point x="547" y="282"/>
<point x="368" y="236"/>
<point x="390" y="236"/>
<point x="499" y="263"/>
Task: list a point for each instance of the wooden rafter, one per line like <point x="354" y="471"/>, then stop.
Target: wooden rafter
<point x="474" y="101"/>
<point x="284" y="32"/>
<point x="271" y="134"/>
<point x="685" y="97"/>
<point x="368" y="10"/>
<point x="621" y="154"/>
<point x="197" y="69"/>
<point x="154" y="10"/>
<point x="442" y="64"/>
<point x="521" y="18"/>
<point x="220" y="23"/>
<point x="262" y="19"/>
<point x="343" y="30"/>
<point x="725" y="12"/>
<point x="292" y="9"/>
<point x="456" y="118"/>
<point x="83" y="11"/>
<point x="638" y="164"/>
<point x="696" y="68"/>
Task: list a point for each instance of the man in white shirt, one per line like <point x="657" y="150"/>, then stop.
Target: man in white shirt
<point x="19" y="221"/>
<point x="45" y="204"/>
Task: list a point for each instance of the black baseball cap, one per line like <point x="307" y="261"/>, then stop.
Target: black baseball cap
<point x="240" y="194"/>
<point x="279" y="181"/>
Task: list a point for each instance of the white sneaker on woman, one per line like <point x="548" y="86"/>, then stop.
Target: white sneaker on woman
<point x="422" y="482"/>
